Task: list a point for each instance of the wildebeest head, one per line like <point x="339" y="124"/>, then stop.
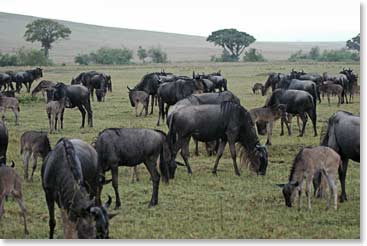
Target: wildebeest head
<point x="289" y="192"/>
<point x="102" y="218"/>
<point x="38" y="72"/>
<point x="50" y="94"/>
<point x="131" y="93"/>
<point x="261" y="160"/>
<point x="100" y="93"/>
<point x="261" y="127"/>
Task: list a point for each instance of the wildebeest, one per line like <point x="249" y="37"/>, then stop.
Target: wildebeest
<point x="272" y="81"/>
<point x="308" y="163"/>
<point x="11" y="185"/>
<point x="149" y="83"/>
<point x="55" y="110"/>
<point x="6" y="82"/>
<point x="99" y="82"/>
<point x="304" y="85"/>
<point x="69" y="176"/>
<point x="298" y="103"/>
<point x="229" y="122"/>
<point x="258" y="87"/>
<point x="75" y="96"/>
<point x="43" y="86"/>
<point x="4" y="139"/>
<point x="343" y="135"/>
<point x="342" y="80"/>
<point x="219" y="81"/>
<point x="331" y="89"/>
<point x="27" y="78"/>
<point x="352" y="81"/>
<point x="137" y="97"/>
<point x="9" y="103"/>
<point x="130" y="147"/>
<point x="33" y="144"/>
<point x="171" y="93"/>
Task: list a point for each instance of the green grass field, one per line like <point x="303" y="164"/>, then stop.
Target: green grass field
<point x="201" y="205"/>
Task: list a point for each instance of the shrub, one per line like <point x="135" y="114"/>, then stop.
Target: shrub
<point x="106" y="56"/>
<point x="157" y="55"/>
<point x="82" y="59"/>
<point x="253" y="55"/>
<point x="327" y="55"/>
<point x="225" y="57"/>
<point x="25" y="57"/>
<point x="8" y="60"/>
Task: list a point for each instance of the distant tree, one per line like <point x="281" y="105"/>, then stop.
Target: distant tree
<point x="82" y="59"/>
<point x="46" y="31"/>
<point x="253" y="55"/>
<point x="157" y="55"/>
<point x="354" y="43"/>
<point x="142" y="53"/>
<point x="314" y="53"/>
<point x="232" y="41"/>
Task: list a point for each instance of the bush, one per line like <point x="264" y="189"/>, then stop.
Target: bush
<point x="253" y="55"/>
<point x="25" y="57"/>
<point x="327" y="55"/>
<point x="157" y="55"/>
<point x="8" y="60"/>
<point x="225" y="57"/>
<point x="106" y="56"/>
<point x="297" y="56"/>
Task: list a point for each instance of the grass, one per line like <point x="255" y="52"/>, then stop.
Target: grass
<point x="201" y="205"/>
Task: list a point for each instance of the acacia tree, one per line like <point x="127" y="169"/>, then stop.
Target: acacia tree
<point x="234" y="42"/>
<point x="354" y="43"/>
<point x="46" y="31"/>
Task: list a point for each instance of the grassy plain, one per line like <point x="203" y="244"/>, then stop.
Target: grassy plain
<point x="201" y="205"/>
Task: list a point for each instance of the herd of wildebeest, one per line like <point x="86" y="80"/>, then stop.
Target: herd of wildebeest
<point x="73" y="172"/>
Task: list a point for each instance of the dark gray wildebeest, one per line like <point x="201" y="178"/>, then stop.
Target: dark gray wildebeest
<point x="308" y="163"/>
<point x="272" y="81"/>
<point x="131" y="147"/>
<point x="303" y="85"/>
<point x="42" y="87"/>
<point x="4" y="139"/>
<point x="172" y="92"/>
<point x="200" y="99"/>
<point x="352" y="81"/>
<point x="149" y="83"/>
<point x="75" y="96"/>
<point x="219" y="81"/>
<point x="11" y="185"/>
<point x="297" y="103"/>
<point x="33" y="144"/>
<point x="258" y="87"/>
<point x="9" y="103"/>
<point x="137" y="97"/>
<point x="209" y="85"/>
<point x="27" y="78"/>
<point x="69" y="177"/>
<point x="340" y="79"/>
<point x="99" y="82"/>
<point x="229" y="122"/>
<point x="343" y="135"/>
<point x="6" y="82"/>
<point x="331" y="89"/>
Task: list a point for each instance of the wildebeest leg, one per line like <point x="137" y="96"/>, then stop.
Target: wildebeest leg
<point x="34" y="166"/>
<point x="49" y="121"/>
<point x="281" y="127"/>
<point x="16" y="114"/>
<point x="62" y="119"/>
<point x="151" y="166"/>
<point x="298" y="124"/>
<point x="51" y="212"/>
<point x="196" y="147"/>
<point x="342" y="176"/>
<point x="328" y="98"/>
<point x="220" y="150"/>
<point x="151" y="111"/>
<point x="136" y="109"/>
<point x="165" y="112"/>
<point x="56" y="118"/>
<point x="232" y="148"/>
<point x="308" y="191"/>
<point x="312" y="114"/>
<point x="300" y="188"/>
<point x="82" y="111"/>
<point x="88" y="108"/>
<point x="142" y="109"/>
<point x="185" y="153"/>
<point x="2" y="201"/>
<point x="146" y="104"/>
<point x="92" y="93"/>
<point x="160" y="109"/>
<point x="26" y="156"/>
<point x="303" y="117"/>
<point x="270" y="132"/>
<point x="114" y="171"/>
<point x="18" y="197"/>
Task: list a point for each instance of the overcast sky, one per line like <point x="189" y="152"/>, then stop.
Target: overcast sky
<point x="291" y="20"/>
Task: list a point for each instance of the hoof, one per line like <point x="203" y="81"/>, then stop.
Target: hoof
<point x="152" y="204"/>
<point x="214" y="172"/>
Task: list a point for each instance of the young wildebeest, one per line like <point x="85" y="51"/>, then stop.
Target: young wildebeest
<point x="269" y="115"/>
<point x="343" y="135"/>
<point x="9" y="103"/>
<point x="298" y="103"/>
<point x="55" y="110"/>
<point x="33" y="144"/>
<point x="258" y="87"/>
<point x="69" y="178"/>
<point x="11" y="185"/>
<point x="229" y="122"/>
<point x="307" y="163"/>
<point x="130" y="147"/>
<point x="137" y="97"/>
<point x="331" y="89"/>
<point x="42" y="86"/>
<point x="4" y="139"/>
<point x="75" y="96"/>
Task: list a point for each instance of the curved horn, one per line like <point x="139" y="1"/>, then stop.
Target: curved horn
<point x="128" y="88"/>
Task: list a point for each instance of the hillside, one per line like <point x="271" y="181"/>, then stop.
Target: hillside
<point x="86" y="38"/>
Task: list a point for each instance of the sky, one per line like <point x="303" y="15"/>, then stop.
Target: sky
<point x="266" y="20"/>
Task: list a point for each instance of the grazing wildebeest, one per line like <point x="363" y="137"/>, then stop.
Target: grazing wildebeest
<point x="229" y="122"/>
<point x="149" y="83"/>
<point x="200" y="99"/>
<point x="172" y="92"/>
<point x="6" y="82"/>
<point x="75" y="96"/>
<point x="269" y="115"/>
<point x="258" y="87"/>
<point x="11" y="185"/>
<point x="343" y="135"/>
<point x="28" y="77"/>
<point x="33" y="144"/>
<point x="55" y="110"/>
<point x="9" y="103"/>
<point x="137" y="97"/>
<point x="298" y="103"/>
<point x="308" y="163"/>
<point x="69" y="178"/>
<point x="4" y="139"/>
<point x="43" y="86"/>
<point x="130" y="147"/>
<point x="331" y="89"/>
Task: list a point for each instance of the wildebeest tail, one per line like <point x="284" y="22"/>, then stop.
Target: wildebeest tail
<point x="73" y="161"/>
